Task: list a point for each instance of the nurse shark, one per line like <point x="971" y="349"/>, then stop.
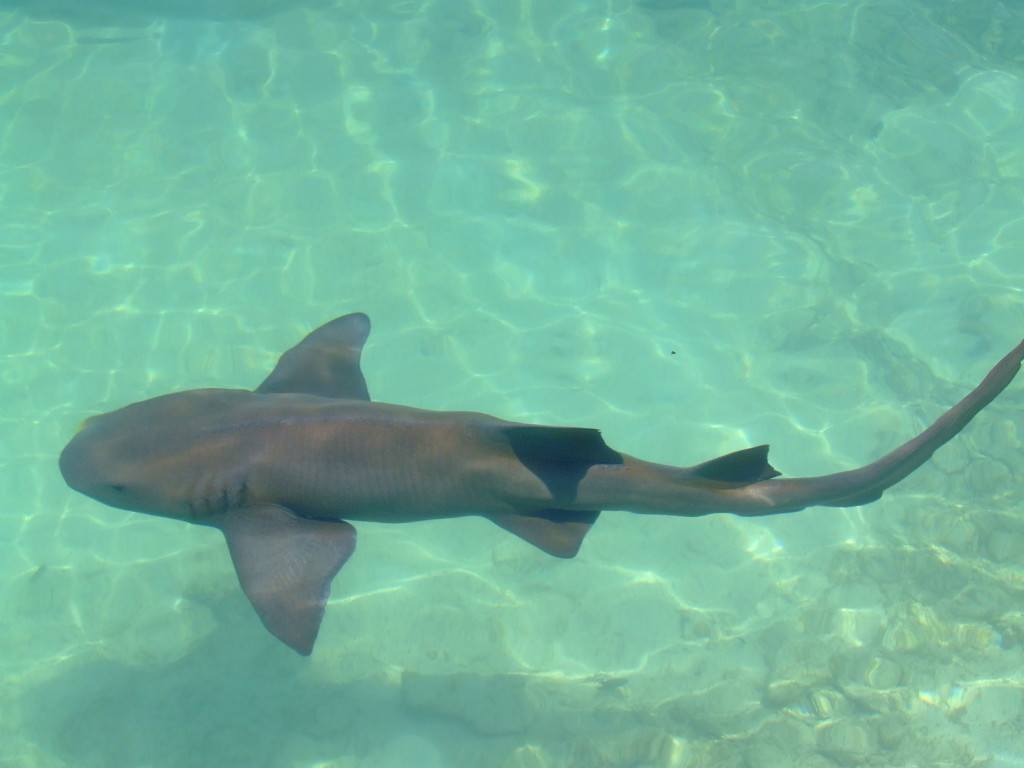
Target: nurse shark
<point x="283" y="469"/>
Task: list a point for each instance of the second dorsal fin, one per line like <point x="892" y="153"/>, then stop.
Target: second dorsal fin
<point x="740" y="467"/>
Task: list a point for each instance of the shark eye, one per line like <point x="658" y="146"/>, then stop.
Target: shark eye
<point x="117" y="487"/>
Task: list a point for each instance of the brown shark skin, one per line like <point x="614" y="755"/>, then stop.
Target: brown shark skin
<point x="320" y="457"/>
<point x="282" y="469"/>
<point x="192" y="455"/>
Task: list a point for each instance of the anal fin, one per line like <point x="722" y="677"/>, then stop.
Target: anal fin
<point x="858" y="499"/>
<point x="558" y="532"/>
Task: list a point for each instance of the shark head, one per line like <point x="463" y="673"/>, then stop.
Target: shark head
<point x="137" y="458"/>
<point x="103" y="461"/>
<point x="192" y="456"/>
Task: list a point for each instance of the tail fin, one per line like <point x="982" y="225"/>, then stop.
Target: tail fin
<point x="866" y="484"/>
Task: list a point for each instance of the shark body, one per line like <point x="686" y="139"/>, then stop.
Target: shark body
<point x="282" y="469"/>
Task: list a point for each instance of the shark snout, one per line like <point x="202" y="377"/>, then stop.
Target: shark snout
<point x="87" y="467"/>
<point x="77" y="465"/>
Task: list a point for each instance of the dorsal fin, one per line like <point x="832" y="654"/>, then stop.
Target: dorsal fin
<point x="558" y="532"/>
<point x="740" y="467"/>
<point x="560" y="456"/>
<point x="325" y="363"/>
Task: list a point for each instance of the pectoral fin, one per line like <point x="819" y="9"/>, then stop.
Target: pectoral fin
<point x="285" y="564"/>
<point x="558" y="532"/>
<point x="326" y="362"/>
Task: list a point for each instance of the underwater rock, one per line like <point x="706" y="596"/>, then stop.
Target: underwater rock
<point x="827" y="703"/>
<point x="918" y="628"/>
<point x="492" y="705"/>
<point x="858" y="626"/>
<point x="528" y="756"/>
<point x="783" y="744"/>
<point x="874" y="682"/>
<point x="1005" y="546"/>
<point x="407" y="749"/>
<point x="895" y="700"/>
<point x="727" y="709"/>
<point x="911" y="626"/>
<point x="995" y="704"/>
<point x="639" y="747"/>
<point x="798" y="666"/>
<point x="846" y="742"/>
<point x="1011" y="629"/>
<point x="868" y="669"/>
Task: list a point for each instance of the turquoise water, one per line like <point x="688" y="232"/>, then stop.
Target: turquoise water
<point x="695" y="224"/>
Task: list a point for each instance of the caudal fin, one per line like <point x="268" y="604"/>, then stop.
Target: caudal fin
<point x="866" y="484"/>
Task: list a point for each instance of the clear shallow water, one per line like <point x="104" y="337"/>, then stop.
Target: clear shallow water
<point x="695" y="225"/>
